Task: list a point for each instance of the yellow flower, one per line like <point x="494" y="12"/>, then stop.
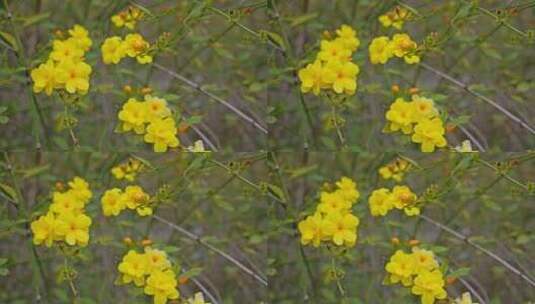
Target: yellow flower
<point x="334" y="50"/>
<point x="422" y="108"/>
<point x="430" y="133"/>
<point x="133" y="115"/>
<point x="345" y="228"/>
<point x="380" y="50"/>
<point x="113" y="50"/>
<point x="430" y="286"/>
<point x="127" y="18"/>
<point x="348" y="189"/>
<point x="314" y="228"/>
<point x="348" y="37"/>
<point x="156" y="108"/>
<point x="77" y="73"/>
<point x="402" y="197"/>
<point x="112" y="204"/>
<point x="47" y="77"/>
<point x="136" y="46"/>
<point x="394" y="169"/>
<point x="81" y="37"/>
<point x="80" y="189"/>
<point x="380" y="202"/>
<point x="403" y="46"/>
<point x="66" y="50"/>
<point x="401" y="268"/>
<point x="162" y="285"/>
<point x="424" y="260"/>
<point x="156" y="260"/>
<point x="127" y="170"/>
<point x="198" y="298"/>
<point x="333" y="202"/>
<point x="76" y="228"/>
<point x="162" y="133"/>
<point x="314" y="77"/>
<point x="395" y="17"/>
<point x="400" y="116"/>
<point x="345" y="80"/>
<point x="465" y="147"/>
<point x="465" y="298"/>
<point x="66" y="203"/>
<point x="136" y="199"/>
<point x="46" y="229"/>
<point x="134" y="268"/>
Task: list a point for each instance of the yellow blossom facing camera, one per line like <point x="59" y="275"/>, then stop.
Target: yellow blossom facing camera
<point x="46" y="77"/>
<point x="133" y="116"/>
<point x="76" y="228"/>
<point x="46" y="229"/>
<point x="66" y="50"/>
<point x="66" y="202"/>
<point x="156" y="108"/>
<point x="80" y="36"/>
<point x="113" y="50"/>
<point x="430" y="286"/>
<point x="345" y="76"/>
<point x="334" y="50"/>
<point x="422" y="108"/>
<point x="380" y="202"/>
<point x="399" y="116"/>
<point x="156" y="259"/>
<point x="162" y="133"/>
<point x="77" y="76"/>
<point x="380" y="50"/>
<point x="345" y="228"/>
<point x="133" y="268"/>
<point x="314" y="228"/>
<point x="162" y="285"/>
<point x="314" y="77"/>
<point x="430" y="134"/>
<point x="401" y="268"/>
<point x="348" y="37"/>
<point x="424" y="260"/>
<point x="112" y="204"/>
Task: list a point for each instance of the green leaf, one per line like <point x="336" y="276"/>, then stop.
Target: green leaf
<point x="193" y="272"/>
<point x="35" y="19"/>
<point x="9" y="191"/>
<point x="275" y="38"/>
<point x="4" y="119"/>
<point x="9" y="39"/>
<point x="296" y="21"/>
<point x="461" y="272"/>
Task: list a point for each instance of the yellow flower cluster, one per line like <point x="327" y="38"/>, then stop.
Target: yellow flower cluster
<point x="127" y="17"/>
<point x="152" y="118"/>
<point x="395" y="169"/>
<point x="419" y="117"/>
<point x="333" y="220"/>
<point x="132" y="197"/>
<point x="383" y="48"/>
<point x="65" y="68"/>
<point x="418" y="270"/>
<point x="65" y="220"/>
<point x="127" y="170"/>
<point x="395" y="17"/>
<point x="382" y="200"/>
<point x="333" y="68"/>
<point x="151" y="270"/>
<point x="115" y="48"/>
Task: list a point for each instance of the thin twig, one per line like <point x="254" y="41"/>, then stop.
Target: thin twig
<point x="489" y="253"/>
<point x="225" y="103"/>
<point x="259" y="278"/>
<point x="478" y="95"/>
